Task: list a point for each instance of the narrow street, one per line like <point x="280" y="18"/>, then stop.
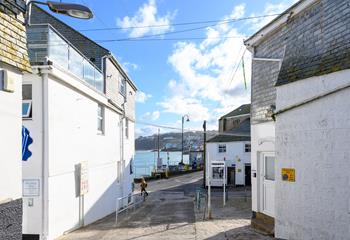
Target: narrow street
<point x="170" y="213"/>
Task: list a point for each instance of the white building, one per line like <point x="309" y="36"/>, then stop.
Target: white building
<point x="306" y="187"/>
<point x="82" y="122"/>
<point x="231" y="147"/>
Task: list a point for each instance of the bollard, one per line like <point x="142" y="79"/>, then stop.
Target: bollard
<point x="198" y="198"/>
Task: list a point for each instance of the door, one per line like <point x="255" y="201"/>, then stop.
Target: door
<point x="268" y="184"/>
<point x="248" y="180"/>
<point x="231" y="173"/>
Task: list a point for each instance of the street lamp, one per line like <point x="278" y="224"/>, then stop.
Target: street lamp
<point x="69" y="9"/>
<point x="182" y="137"/>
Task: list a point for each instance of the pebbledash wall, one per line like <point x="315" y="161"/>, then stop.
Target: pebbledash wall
<point x="14" y="61"/>
<point x="313" y="137"/>
<point x="314" y="140"/>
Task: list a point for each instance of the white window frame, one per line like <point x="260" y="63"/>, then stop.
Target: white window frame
<point x="27" y="115"/>
<point x="221" y="145"/>
<point x="101" y="118"/>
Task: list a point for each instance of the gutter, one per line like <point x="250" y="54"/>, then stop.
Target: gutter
<point x="310" y="100"/>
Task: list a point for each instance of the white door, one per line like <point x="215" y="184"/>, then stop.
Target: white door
<point x="268" y="184"/>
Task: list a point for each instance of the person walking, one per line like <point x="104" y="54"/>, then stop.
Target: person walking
<point x="143" y="187"/>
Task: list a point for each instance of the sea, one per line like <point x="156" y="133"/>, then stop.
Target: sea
<point x="145" y="161"/>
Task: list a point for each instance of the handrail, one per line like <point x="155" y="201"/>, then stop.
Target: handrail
<point x="68" y="42"/>
<point x="129" y="205"/>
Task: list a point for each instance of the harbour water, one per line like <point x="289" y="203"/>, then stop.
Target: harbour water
<point x="145" y="161"/>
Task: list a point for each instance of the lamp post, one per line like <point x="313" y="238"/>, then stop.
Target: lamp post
<point x="69" y="9"/>
<point x="182" y="137"/>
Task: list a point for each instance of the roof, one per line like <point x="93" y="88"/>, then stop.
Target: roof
<point x="243" y="109"/>
<point x="243" y="129"/>
<point x="240" y="133"/>
<point x="228" y="138"/>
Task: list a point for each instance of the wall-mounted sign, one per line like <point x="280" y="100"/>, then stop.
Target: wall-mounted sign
<point x="288" y="174"/>
<point x="31" y="188"/>
<point x="84" y="178"/>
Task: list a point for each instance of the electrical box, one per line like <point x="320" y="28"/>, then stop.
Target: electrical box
<point x="6" y="83"/>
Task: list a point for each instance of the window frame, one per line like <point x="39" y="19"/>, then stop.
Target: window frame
<point x="101" y="118"/>
<point x="122" y="86"/>
<point x="28" y="115"/>
<point x="222" y="146"/>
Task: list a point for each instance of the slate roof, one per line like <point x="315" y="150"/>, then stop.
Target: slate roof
<point x="241" y="133"/>
<point x="244" y="109"/>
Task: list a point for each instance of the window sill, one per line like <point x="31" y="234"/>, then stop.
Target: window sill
<point x="27" y="118"/>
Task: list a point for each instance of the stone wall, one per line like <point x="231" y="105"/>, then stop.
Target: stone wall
<point x="13" y="40"/>
<point x="11" y="220"/>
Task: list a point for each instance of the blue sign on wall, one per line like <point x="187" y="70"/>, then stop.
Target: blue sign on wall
<point x="26" y="141"/>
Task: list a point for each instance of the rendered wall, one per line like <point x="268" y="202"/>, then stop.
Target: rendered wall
<point x="234" y="150"/>
<point x="314" y="140"/>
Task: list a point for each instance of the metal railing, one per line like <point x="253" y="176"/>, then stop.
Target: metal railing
<point x="133" y="200"/>
<point x="46" y="43"/>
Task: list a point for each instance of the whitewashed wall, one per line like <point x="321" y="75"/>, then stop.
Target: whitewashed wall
<point x="11" y="140"/>
<point x="234" y="150"/>
<point x="314" y="140"/>
<point x="73" y="138"/>
<point x="262" y="140"/>
<point x="32" y="168"/>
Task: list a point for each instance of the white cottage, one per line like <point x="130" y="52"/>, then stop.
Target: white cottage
<point x="82" y="123"/>
<point x="301" y="122"/>
<point x="230" y="147"/>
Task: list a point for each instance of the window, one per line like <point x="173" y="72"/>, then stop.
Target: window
<point x="247" y="147"/>
<point x="270" y="168"/>
<point x="122" y="86"/>
<point x="222" y="148"/>
<point x="126" y="128"/>
<point x="100" y="119"/>
<point x="27" y="101"/>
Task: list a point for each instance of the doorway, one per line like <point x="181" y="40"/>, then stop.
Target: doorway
<point x="231" y="176"/>
<point x="248" y="180"/>
<point x="267" y="183"/>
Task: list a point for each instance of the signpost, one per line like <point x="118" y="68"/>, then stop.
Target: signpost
<point x="84" y="178"/>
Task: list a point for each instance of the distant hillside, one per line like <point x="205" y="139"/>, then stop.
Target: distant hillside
<point x="171" y="141"/>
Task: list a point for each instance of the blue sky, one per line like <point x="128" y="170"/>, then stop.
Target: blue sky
<point x="195" y="77"/>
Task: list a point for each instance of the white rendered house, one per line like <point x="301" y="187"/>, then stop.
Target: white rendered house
<point x="231" y="147"/>
<point x="83" y="140"/>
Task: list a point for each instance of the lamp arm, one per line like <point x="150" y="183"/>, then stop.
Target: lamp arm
<point x="29" y="10"/>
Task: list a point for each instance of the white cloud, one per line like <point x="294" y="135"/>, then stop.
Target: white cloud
<point x="151" y="116"/>
<point x="127" y="66"/>
<point x="270" y="9"/>
<point x="146" y="16"/>
<point x="205" y="72"/>
<point x="142" y="97"/>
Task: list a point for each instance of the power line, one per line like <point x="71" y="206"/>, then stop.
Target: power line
<point x="214" y="132"/>
<point x="178" y="24"/>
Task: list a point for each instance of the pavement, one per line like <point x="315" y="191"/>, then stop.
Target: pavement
<point x="170" y="213"/>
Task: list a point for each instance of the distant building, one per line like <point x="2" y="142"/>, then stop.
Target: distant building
<point x="82" y="121"/>
<point x="233" y="119"/>
<point x="196" y="158"/>
<point x="231" y="147"/>
<point x="301" y="122"/>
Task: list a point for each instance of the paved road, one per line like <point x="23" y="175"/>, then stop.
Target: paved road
<point x="169" y="213"/>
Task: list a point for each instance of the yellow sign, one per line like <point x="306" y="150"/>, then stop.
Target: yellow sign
<point x="288" y="174"/>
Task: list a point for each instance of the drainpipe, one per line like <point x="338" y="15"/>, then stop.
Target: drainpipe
<point x="122" y="144"/>
<point x="45" y="154"/>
